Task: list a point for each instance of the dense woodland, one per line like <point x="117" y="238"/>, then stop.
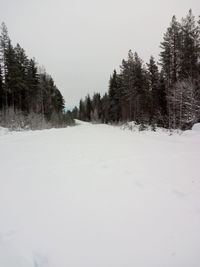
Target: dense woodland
<point x="29" y="97"/>
<point x="165" y="94"/>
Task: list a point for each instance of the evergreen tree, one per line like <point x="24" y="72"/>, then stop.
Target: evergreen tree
<point x="23" y="85"/>
<point x="190" y="47"/>
<point x="82" y="112"/>
<point x="153" y="79"/>
<point x="127" y="86"/>
<point x="12" y="83"/>
<point x="88" y="108"/>
<point x="114" y="98"/>
<point x="105" y="108"/>
<point x="33" y="100"/>
<point x="170" y="56"/>
<point x="96" y="107"/>
<point x="162" y="101"/>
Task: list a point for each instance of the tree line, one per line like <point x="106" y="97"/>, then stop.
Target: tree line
<point x="28" y="95"/>
<point x="165" y="94"/>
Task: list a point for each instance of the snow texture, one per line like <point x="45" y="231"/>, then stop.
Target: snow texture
<point x="196" y="127"/>
<point x="3" y="131"/>
<point x="98" y="196"/>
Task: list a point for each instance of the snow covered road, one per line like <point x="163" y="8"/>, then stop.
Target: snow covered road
<point x="98" y="196"/>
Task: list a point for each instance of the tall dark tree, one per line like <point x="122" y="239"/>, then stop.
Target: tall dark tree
<point x="96" y="107"/>
<point x="114" y="97"/>
<point x="33" y="99"/>
<point x="12" y="81"/>
<point x="105" y="108"/>
<point x="23" y="84"/>
<point x="127" y="86"/>
<point x="82" y="111"/>
<point x="88" y="108"/>
<point x="190" y="47"/>
<point x="153" y="79"/>
<point x="170" y="55"/>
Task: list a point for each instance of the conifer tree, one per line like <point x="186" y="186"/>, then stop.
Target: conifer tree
<point x="190" y="47"/>
<point x="96" y="107"/>
<point x="162" y="100"/>
<point x="22" y="85"/>
<point x="105" y="108"/>
<point x="88" y="108"/>
<point x="82" y="112"/>
<point x="127" y="86"/>
<point x="170" y="55"/>
<point x="153" y="79"/>
<point x="114" y="98"/>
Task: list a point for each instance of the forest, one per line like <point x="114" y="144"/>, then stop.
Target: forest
<point x="164" y="93"/>
<point x="29" y="97"/>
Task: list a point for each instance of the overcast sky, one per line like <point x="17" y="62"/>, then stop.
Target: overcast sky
<point x="80" y="42"/>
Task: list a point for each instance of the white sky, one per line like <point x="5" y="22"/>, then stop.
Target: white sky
<point x="80" y="42"/>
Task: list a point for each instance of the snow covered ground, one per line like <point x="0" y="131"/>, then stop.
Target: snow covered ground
<point x="98" y="196"/>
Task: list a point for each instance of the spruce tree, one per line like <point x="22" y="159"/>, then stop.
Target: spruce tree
<point x="162" y="101"/>
<point x="82" y="112"/>
<point x="22" y="85"/>
<point x="170" y="54"/>
<point x="105" y="108"/>
<point x="153" y="79"/>
<point x="190" y="47"/>
<point x="88" y="108"/>
<point x="96" y="107"/>
<point x="114" y="98"/>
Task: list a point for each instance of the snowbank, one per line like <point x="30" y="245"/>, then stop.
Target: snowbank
<point x="132" y="126"/>
<point x="196" y="127"/>
<point x="3" y="131"/>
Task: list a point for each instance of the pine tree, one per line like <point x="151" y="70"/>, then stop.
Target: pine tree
<point x="190" y="47"/>
<point x="82" y="112"/>
<point x="97" y="108"/>
<point x="88" y="108"/>
<point x="170" y="56"/>
<point x="32" y="98"/>
<point x="162" y="94"/>
<point x="12" y="83"/>
<point x="105" y="108"/>
<point x="114" y="98"/>
<point x="153" y="79"/>
<point x="127" y="86"/>
<point x="22" y="85"/>
<point x="141" y="98"/>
